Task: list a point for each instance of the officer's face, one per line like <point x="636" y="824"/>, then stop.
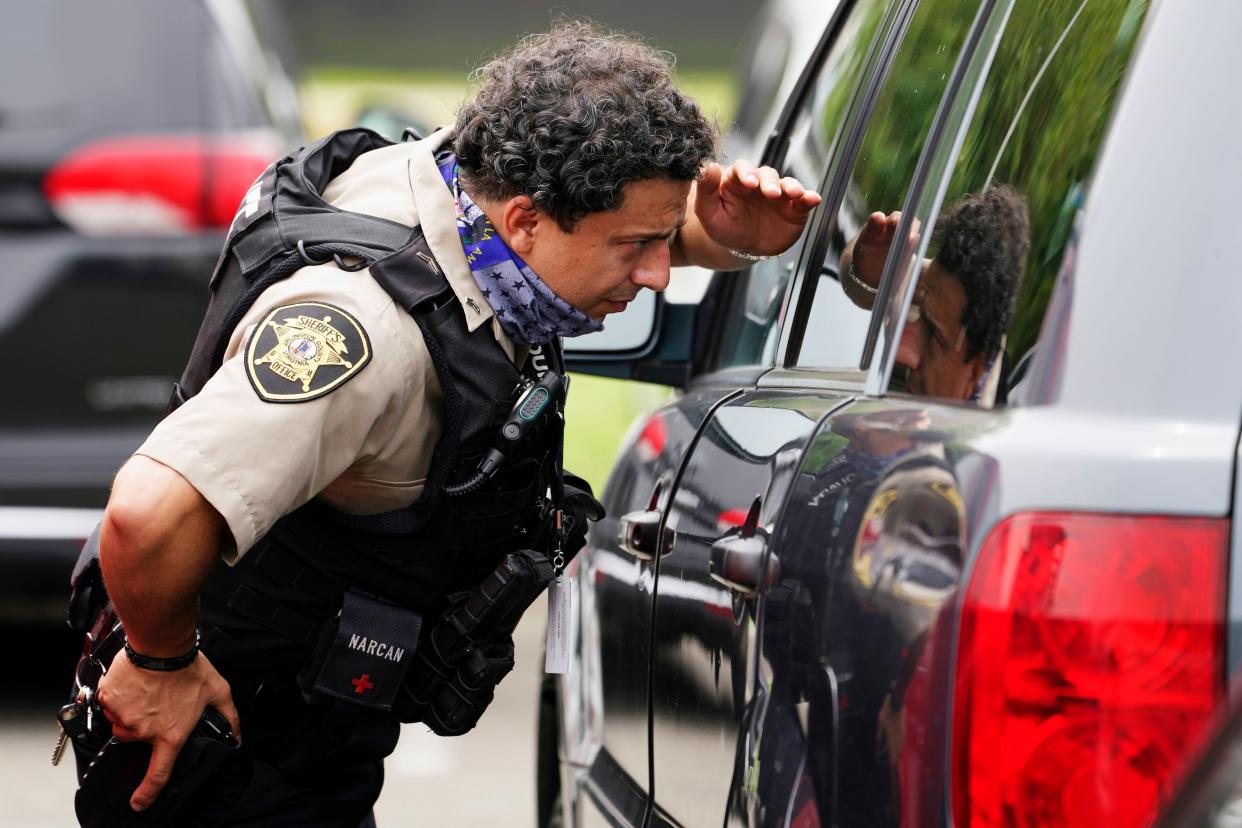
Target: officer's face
<point x="609" y="257"/>
<point x="933" y="345"/>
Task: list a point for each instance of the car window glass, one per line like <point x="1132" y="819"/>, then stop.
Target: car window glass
<point x="749" y="334"/>
<point x="1017" y="183"/>
<point x="904" y="108"/>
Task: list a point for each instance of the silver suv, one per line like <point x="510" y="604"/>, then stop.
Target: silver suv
<point x="940" y="530"/>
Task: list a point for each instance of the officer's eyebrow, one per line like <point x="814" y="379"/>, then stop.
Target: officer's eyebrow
<point x="667" y="234"/>
<point x="933" y="309"/>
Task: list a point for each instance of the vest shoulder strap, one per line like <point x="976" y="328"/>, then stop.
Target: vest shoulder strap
<point x="283" y="224"/>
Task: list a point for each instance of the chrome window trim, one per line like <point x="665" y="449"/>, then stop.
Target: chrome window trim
<point x="849" y="380"/>
<point x="796" y="310"/>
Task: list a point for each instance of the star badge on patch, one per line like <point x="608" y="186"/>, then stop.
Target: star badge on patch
<point x="303" y="351"/>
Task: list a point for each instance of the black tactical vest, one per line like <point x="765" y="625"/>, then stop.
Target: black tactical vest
<point x="261" y="619"/>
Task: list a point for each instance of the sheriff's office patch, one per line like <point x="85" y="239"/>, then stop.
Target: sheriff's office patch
<point x="303" y="351"/>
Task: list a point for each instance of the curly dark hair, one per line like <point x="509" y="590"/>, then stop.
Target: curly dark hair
<point x="983" y="239"/>
<point x="569" y="117"/>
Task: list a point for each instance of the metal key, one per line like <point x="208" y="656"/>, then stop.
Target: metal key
<point x="58" y="752"/>
<point x="74" y="719"/>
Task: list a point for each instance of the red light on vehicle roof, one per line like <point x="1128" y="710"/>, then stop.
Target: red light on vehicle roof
<point x="156" y="185"/>
<point x="1091" y="655"/>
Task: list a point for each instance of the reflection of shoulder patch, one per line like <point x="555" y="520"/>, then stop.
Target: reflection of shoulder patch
<point x="305" y="350"/>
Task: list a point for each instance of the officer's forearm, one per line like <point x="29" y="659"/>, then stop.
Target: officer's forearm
<point x="157" y="544"/>
<point x="692" y="246"/>
<point x="858" y="295"/>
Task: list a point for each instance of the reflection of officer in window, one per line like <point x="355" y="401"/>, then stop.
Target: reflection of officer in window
<point x="965" y="296"/>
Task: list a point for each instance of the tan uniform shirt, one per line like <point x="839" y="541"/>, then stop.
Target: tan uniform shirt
<point x="365" y="446"/>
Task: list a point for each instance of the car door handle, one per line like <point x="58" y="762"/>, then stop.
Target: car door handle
<point x="639" y="531"/>
<point x="741" y="560"/>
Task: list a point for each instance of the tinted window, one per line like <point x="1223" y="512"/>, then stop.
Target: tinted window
<point x="750" y="332"/>
<point x="878" y="181"/>
<point x="1016" y="184"/>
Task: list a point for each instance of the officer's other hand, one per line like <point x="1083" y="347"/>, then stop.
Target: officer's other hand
<point x="871" y="247"/>
<point x="751" y="208"/>
<point x="162" y="708"/>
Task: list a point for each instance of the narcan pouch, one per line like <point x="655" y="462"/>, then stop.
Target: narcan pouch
<point x="363" y="657"/>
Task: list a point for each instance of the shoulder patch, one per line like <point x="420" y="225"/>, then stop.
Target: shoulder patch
<point x="305" y="350"/>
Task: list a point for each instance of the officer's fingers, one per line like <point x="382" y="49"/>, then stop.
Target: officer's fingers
<point x="792" y="188"/>
<point x="743" y="173"/>
<point x="124" y="734"/>
<point x="159" y="769"/>
<point x="769" y="182"/>
<point x="707" y="190"/>
<point x="874" y="229"/>
<point x="802" y="198"/>
<point x="709" y="179"/>
<point x="220" y="696"/>
<point x="808" y="201"/>
<point x="227" y="709"/>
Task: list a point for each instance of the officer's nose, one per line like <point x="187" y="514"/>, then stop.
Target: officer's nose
<point x="652" y="269"/>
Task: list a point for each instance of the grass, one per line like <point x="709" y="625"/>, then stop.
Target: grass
<point x="599" y="410"/>
<point x="596" y="418"/>
<point x="332" y="97"/>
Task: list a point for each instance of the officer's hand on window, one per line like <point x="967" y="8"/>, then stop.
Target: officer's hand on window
<point x="752" y="209"/>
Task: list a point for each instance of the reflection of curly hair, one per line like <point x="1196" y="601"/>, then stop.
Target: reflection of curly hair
<point x="983" y="240"/>
<point x="569" y="117"/>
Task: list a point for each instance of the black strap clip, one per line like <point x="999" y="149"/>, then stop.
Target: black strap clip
<point x="335" y="257"/>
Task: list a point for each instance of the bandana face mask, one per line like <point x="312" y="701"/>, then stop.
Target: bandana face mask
<point x="528" y="310"/>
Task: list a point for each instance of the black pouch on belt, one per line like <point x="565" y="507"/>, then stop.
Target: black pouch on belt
<point x="470" y="648"/>
<point x="363" y="656"/>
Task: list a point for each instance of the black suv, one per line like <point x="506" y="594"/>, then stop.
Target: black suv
<point x="941" y="529"/>
<point x="129" y="133"/>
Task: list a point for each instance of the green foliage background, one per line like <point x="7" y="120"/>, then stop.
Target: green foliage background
<point x="1056" y="135"/>
<point x="1043" y="145"/>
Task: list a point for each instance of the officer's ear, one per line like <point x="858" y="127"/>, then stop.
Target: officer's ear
<point x="521" y="224"/>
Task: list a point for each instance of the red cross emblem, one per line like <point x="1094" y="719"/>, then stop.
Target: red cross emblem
<point x="363" y="684"/>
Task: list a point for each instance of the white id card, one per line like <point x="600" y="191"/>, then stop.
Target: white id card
<point x="560" y="624"/>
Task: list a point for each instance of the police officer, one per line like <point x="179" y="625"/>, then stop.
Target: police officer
<point x="576" y="177"/>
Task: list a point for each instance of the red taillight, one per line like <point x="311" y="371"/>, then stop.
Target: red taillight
<point x="1090" y="655"/>
<point x="156" y="185"/>
<point x="652" y="438"/>
<point x="730" y="519"/>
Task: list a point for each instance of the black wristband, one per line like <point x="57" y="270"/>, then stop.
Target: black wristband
<point x="163" y="665"/>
